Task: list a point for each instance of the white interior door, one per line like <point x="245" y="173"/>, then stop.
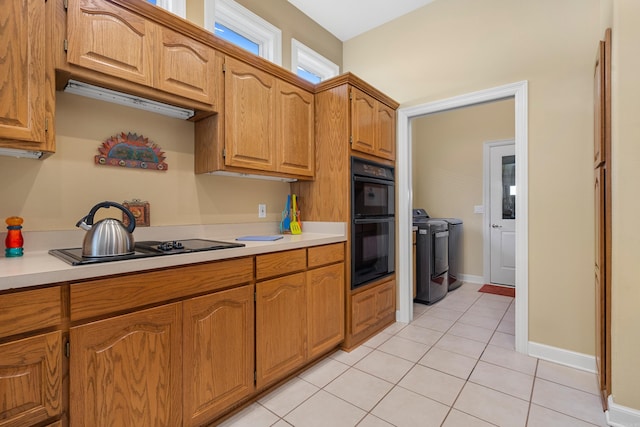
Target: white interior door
<point x="503" y="214"/>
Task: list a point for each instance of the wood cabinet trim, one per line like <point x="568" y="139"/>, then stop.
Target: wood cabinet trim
<point x="353" y="80"/>
<point x="117" y="294"/>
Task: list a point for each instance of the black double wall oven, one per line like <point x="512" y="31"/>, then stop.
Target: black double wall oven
<point x="372" y="221"/>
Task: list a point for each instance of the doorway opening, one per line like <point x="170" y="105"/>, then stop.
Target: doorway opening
<point x="519" y="91"/>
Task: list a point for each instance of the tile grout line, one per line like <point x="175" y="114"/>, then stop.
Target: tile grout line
<point x="397" y="383"/>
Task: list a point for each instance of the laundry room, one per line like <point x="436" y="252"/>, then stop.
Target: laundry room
<point x="447" y="152"/>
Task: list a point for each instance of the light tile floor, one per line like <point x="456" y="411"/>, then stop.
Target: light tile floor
<point x="453" y="366"/>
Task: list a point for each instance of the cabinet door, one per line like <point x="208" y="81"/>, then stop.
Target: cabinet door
<point x="386" y="300"/>
<point x="24" y="97"/>
<point x="106" y="38"/>
<point x="281" y="325"/>
<point x="31" y="380"/>
<point x="295" y="130"/>
<point x="363" y="121"/>
<point x="363" y="311"/>
<point x="185" y="67"/>
<point x="218" y="353"/>
<point x="385" y="142"/>
<point x="325" y="308"/>
<point x="373" y="307"/>
<point x="249" y="117"/>
<point x="126" y="370"/>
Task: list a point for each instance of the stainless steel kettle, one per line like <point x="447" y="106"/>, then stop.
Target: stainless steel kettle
<point x="108" y="237"/>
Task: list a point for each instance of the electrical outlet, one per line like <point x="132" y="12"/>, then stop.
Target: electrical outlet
<point x="262" y="210"/>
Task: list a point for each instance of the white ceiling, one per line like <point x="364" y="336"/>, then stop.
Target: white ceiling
<point x="346" y="19"/>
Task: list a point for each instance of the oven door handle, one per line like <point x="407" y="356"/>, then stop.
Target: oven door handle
<point x="388" y="182"/>
<point x="375" y="220"/>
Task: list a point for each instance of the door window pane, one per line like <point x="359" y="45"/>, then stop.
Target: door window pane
<point x="509" y="187"/>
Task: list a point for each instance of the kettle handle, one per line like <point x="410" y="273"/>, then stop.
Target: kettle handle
<point x="89" y="218"/>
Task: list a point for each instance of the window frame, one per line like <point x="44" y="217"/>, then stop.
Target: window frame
<point x="246" y="23"/>
<point x="178" y="7"/>
<point x="304" y="57"/>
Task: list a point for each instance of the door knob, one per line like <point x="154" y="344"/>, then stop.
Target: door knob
<point x="496" y="226"/>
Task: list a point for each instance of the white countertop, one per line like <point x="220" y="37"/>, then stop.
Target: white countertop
<point x="37" y="267"/>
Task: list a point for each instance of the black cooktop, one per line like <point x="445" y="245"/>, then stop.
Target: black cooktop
<point x="146" y="249"/>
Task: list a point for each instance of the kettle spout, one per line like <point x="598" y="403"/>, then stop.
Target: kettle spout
<point x="83" y="224"/>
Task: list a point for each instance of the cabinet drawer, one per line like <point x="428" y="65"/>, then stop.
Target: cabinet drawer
<point x="29" y="310"/>
<point x="321" y="255"/>
<point x="275" y="264"/>
<point x="117" y="294"/>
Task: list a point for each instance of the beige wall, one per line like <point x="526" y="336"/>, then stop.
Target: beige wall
<point x="291" y="21"/>
<point x="52" y="194"/>
<point x="447" y="166"/>
<point x="452" y="47"/>
<point x="625" y="337"/>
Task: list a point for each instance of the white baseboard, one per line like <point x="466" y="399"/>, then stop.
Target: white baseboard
<point x="564" y="357"/>
<point x="470" y="278"/>
<point x="621" y="416"/>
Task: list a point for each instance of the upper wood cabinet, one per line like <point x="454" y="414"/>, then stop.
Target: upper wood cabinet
<point x="106" y="38"/>
<point x="27" y="100"/>
<point x="373" y="125"/>
<point x="267" y="127"/>
<point x="295" y="140"/>
<point x="185" y="66"/>
<point x="249" y="112"/>
<point x="118" y="43"/>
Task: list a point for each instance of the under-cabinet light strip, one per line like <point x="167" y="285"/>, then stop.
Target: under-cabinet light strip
<point x="14" y="152"/>
<point x="95" y="92"/>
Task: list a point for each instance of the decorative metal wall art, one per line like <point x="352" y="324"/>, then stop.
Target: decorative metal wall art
<point x="141" y="211"/>
<point x="130" y="150"/>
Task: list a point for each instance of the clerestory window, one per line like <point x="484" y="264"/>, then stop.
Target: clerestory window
<point x="238" y="25"/>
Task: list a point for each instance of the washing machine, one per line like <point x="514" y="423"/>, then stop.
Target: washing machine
<point x="432" y="260"/>
<point x="455" y="246"/>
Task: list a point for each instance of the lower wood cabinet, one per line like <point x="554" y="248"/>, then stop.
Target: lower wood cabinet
<point x="174" y="347"/>
<point x="218" y="353"/>
<point x="373" y="308"/>
<point x="325" y="308"/>
<point x="31" y="380"/>
<point x="299" y="316"/>
<point x="281" y="315"/>
<point x="126" y="370"/>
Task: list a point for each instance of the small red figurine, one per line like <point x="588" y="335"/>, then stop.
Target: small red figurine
<point x="14" y="239"/>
